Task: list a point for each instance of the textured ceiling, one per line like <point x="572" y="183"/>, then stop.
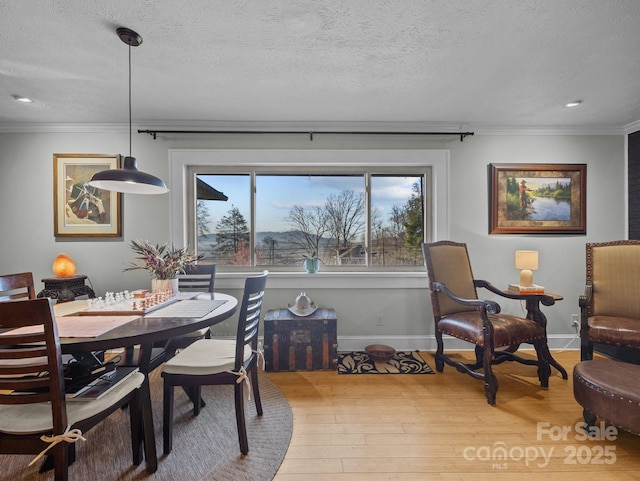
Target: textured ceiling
<point x="471" y="63"/>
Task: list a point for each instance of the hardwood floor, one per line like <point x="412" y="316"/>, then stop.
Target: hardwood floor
<point x="440" y="427"/>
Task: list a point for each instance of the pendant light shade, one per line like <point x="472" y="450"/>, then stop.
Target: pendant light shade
<point x="128" y="179"/>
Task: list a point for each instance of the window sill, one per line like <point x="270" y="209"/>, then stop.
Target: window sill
<point x="329" y="280"/>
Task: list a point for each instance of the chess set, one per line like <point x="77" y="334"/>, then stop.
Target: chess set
<point x="128" y="303"/>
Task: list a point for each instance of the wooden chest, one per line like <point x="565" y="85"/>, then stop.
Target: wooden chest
<point x="293" y="343"/>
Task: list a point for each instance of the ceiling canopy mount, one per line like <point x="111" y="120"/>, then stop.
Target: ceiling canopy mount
<point x="129" y="37"/>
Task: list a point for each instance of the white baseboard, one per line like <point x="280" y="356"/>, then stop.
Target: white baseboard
<point x="428" y="343"/>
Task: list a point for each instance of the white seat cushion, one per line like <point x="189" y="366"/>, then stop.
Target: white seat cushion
<point x="205" y="356"/>
<point x="36" y="418"/>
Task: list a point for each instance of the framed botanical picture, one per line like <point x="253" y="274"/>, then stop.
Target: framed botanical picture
<point x="80" y="210"/>
<point x="538" y="199"/>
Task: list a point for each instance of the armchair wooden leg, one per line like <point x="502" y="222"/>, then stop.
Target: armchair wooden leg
<point x="544" y="369"/>
<point x="439" y="352"/>
<point x="490" y="381"/>
<point x="479" y="354"/>
<point x="589" y="418"/>
<point x="586" y="351"/>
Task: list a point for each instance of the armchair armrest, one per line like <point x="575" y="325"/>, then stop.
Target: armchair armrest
<point x="544" y="299"/>
<point x="491" y="307"/>
<point x="583" y="303"/>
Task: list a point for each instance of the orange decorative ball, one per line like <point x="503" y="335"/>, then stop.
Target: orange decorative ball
<point x="63" y="266"/>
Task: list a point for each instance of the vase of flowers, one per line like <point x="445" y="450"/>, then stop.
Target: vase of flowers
<point x="164" y="263"/>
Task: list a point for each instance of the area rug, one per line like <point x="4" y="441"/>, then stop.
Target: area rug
<point x="403" y="362"/>
<point x="205" y="447"/>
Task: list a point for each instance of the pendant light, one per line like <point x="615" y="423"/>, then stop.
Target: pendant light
<point x="128" y="179"/>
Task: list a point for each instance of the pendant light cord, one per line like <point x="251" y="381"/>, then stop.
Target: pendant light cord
<point x="129" y="100"/>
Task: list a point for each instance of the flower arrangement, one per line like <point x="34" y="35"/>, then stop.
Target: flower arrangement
<point x="161" y="261"/>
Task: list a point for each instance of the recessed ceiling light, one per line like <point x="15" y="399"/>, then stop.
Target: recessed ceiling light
<point x="575" y="103"/>
<point x="20" y="98"/>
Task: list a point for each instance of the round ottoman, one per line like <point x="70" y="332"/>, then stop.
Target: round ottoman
<point x="609" y="389"/>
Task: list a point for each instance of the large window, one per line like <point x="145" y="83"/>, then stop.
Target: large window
<point x="272" y="209"/>
<point x="351" y="219"/>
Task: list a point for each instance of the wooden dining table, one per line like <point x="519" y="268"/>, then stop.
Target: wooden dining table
<point x="145" y="331"/>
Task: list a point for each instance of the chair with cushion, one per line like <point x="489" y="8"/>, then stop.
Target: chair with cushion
<point x="610" y="319"/>
<point x="17" y="286"/>
<point x="610" y="305"/>
<point x="458" y="312"/>
<point x="216" y="361"/>
<point x="34" y="413"/>
<point x="196" y="278"/>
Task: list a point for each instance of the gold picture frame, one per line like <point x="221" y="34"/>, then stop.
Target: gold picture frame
<point x="80" y="210"/>
<point x="538" y="199"/>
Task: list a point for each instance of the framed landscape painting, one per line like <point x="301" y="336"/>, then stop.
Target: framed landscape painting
<point x="80" y="210"/>
<point x="538" y="199"/>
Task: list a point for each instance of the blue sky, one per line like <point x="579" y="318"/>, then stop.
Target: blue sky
<point x="276" y="195"/>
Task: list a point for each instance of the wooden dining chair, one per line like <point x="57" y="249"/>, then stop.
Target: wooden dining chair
<point x="17" y="286"/>
<point x="33" y="409"/>
<point x="217" y="361"/>
<point x="196" y="278"/>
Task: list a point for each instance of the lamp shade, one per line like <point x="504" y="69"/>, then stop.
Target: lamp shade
<point x="527" y="260"/>
<point x="63" y="266"/>
<point x="128" y="180"/>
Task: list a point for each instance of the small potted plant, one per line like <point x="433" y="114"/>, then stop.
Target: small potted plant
<point x="164" y="263"/>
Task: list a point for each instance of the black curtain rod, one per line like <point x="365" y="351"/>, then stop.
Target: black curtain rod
<point x="154" y="133"/>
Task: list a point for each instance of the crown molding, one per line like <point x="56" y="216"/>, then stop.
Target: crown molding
<point x="632" y="127"/>
<point x="56" y="128"/>
<point x="303" y="127"/>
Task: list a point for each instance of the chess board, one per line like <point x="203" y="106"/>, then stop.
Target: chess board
<point x="136" y="306"/>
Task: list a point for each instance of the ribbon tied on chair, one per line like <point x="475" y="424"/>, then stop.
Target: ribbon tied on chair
<point x="68" y="436"/>
<point x="242" y="376"/>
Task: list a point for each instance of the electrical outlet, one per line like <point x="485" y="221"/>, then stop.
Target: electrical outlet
<point x="378" y="320"/>
<point x="575" y="323"/>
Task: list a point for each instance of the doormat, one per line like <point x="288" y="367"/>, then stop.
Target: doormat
<point x="403" y="362"/>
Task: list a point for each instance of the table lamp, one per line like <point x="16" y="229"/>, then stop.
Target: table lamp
<point x="527" y="261"/>
<point x="63" y="266"/>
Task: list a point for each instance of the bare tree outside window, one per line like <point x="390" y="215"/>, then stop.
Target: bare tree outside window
<point x="308" y="228"/>
<point x="345" y="215"/>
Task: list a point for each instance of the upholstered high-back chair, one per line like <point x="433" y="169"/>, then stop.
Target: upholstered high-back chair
<point x="458" y="312"/>
<point x="610" y="305"/>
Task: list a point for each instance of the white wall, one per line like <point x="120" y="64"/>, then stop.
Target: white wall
<point x="27" y="242"/>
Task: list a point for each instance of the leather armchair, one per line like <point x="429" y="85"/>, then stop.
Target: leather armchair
<point x="458" y="312"/>
<point x="610" y="305"/>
